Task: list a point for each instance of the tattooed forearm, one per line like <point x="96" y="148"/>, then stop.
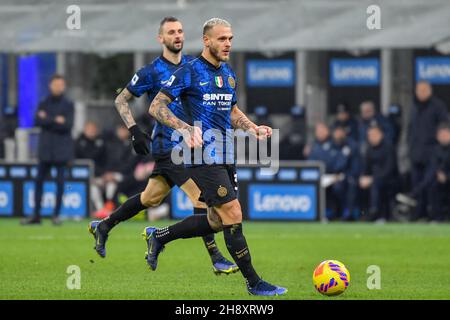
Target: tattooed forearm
<point x="123" y="108"/>
<point x="159" y="110"/>
<point x="240" y="121"/>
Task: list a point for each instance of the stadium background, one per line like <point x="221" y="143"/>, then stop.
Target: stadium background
<point x="286" y="54"/>
<point x="283" y="54"/>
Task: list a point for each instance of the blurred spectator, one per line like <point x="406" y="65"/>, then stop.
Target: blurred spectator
<point x="340" y="157"/>
<point x="345" y="166"/>
<point x="395" y="119"/>
<point x="294" y="142"/>
<point x="121" y="161"/>
<point x="320" y="148"/>
<point x="3" y="136"/>
<point x="426" y="114"/>
<point x="379" y="174"/>
<point x="437" y="178"/>
<point x="55" y="118"/>
<point x="345" y="120"/>
<point x="370" y="117"/>
<point x="262" y="115"/>
<point x="90" y="145"/>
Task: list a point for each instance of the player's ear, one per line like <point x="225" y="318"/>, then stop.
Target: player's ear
<point x="160" y="39"/>
<point x="206" y="40"/>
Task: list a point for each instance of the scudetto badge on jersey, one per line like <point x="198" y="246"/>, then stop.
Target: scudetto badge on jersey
<point x="219" y="81"/>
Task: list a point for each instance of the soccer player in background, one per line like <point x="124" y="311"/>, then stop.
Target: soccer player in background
<point x="166" y="174"/>
<point x="207" y="88"/>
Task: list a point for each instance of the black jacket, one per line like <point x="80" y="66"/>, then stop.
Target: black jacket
<point x="121" y="157"/>
<point x="381" y="162"/>
<point x="440" y="161"/>
<point x="94" y="149"/>
<point x="55" y="140"/>
<point x="425" y="118"/>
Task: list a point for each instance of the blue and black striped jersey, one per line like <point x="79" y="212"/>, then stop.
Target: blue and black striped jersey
<point x="149" y="79"/>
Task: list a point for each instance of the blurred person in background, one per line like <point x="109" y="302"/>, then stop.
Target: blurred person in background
<point x="294" y="142"/>
<point x="345" y="166"/>
<point x="3" y="136"/>
<point x="55" y="119"/>
<point x="345" y="120"/>
<point x="426" y="114"/>
<point x="436" y="180"/>
<point x="379" y="174"/>
<point x="370" y="117"/>
<point x="395" y="119"/>
<point x="319" y="150"/>
<point x="121" y="161"/>
<point x="91" y="145"/>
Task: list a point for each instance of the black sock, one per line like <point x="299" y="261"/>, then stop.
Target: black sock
<point x="210" y="242"/>
<point x="193" y="226"/>
<point x="237" y="246"/>
<point x="127" y="210"/>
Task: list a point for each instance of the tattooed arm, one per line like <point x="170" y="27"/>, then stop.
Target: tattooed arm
<point x="240" y="121"/>
<point x="123" y="108"/>
<point x="160" y="111"/>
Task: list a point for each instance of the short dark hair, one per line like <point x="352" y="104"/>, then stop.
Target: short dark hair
<point x="57" y="76"/>
<point x="443" y="126"/>
<point x="165" y="20"/>
<point x="375" y="126"/>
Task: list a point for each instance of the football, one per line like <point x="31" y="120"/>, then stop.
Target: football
<point x="331" y="278"/>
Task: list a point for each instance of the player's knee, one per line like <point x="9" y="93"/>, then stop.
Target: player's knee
<point x="150" y="200"/>
<point x="214" y="220"/>
<point x="232" y="210"/>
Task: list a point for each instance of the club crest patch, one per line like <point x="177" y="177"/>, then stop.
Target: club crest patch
<point x="222" y="191"/>
<point x="231" y="82"/>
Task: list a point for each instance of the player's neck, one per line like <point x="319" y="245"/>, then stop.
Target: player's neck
<point x="174" y="58"/>
<point x="211" y="59"/>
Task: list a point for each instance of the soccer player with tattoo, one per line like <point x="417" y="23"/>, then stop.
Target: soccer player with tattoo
<point x="207" y="89"/>
<point x="166" y="174"/>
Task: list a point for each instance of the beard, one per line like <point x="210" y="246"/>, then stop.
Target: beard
<point x="171" y="47"/>
<point x="215" y="53"/>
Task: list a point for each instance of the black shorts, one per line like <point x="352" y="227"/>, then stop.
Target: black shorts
<point x="173" y="173"/>
<point x="218" y="183"/>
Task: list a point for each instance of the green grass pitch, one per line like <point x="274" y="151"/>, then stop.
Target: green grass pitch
<point x="414" y="261"/>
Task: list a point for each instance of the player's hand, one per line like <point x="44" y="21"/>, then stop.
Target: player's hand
<point x="193" y="136"/>
<point x="263" y="132"/>
<point x="139" y="140"/>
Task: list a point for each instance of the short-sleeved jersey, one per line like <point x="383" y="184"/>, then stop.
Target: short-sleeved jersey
<point x="149" y="79"/>
<point x="207" y="94"/>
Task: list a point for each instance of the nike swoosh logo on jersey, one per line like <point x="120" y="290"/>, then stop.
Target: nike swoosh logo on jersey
<point x="164" y="82"/>
<point x="203" y="83"/>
